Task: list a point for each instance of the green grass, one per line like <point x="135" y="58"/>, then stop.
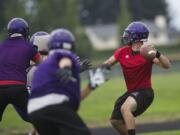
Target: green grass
<point x="164" y="133"/>
<point x="97" y="108"/>
<point x="12" y="124"/>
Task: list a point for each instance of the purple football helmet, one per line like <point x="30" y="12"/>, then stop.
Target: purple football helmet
<point x="61" y="39"/>
<point x="135" y="32"/>
<point x="18" y="27"/>
<point x="39" y="33"/>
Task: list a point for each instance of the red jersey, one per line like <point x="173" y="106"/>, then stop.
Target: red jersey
<point x="137" y="71"/>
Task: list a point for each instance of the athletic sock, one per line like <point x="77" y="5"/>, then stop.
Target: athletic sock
<point x="131" y="132"/>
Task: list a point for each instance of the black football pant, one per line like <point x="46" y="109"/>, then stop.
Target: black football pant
<point x="58" y="120"/>
<point x="16" y="95"/>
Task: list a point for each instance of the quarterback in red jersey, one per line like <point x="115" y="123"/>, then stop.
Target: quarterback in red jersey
<point x="137" y="74"/>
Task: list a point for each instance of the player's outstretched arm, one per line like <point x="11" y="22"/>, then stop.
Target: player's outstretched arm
<point x="94" y="82"/>
<point x="162" y="60"/>
<point x="85" y="93"/>
<point x="110" y="61"/>
<point x="97" y="77"/>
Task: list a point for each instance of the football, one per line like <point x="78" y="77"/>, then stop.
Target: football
<point x="148" y="52"/>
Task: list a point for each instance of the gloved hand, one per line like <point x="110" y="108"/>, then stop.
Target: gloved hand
<point x="106" y="66"/>
<point x="78" y="59"/>
<point x="96" y="78"/>
<point x="105" y="69"/>
<point x="85" y="65"/>
<point x="65" y="75"/>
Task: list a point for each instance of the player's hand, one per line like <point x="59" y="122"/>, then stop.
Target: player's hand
<point x="106" y="67"/>
<point x="96" y="78"/>
<point x="157" y="53"/>
<point x="65" y="75"/>
<point x="85" y="65"/>
<point x="149" y="52"/>
<point x="78" y="59"/>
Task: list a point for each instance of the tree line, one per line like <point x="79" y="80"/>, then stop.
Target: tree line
<point x="46" y="15"/>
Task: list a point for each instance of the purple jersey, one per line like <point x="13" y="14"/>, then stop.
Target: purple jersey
<point x="15" y="56"/>
<point x="46" y="82"/>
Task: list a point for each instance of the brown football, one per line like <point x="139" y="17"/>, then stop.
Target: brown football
<point x="148" y="52"/>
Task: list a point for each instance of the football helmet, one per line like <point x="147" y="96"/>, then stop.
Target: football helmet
<point x="40" y="41"/>
<point x="135" y="32"/>
<point x="18" y="27"/>
<point x="61" y="39"/>
<point x="39" y="33"/>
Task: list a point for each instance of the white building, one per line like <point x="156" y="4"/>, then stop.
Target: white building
<point x="105" y="36"/>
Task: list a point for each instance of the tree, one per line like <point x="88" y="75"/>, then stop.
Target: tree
<point x="49" y="15"/>
<point x="72" y="18"/>
<point x="2" y="18"/>
<point x="60" y="14"/>
<point x="98" y="11"/>
<point x="9" y="10"/>
<point x="124" y="17"/>
<point x="147" y="9"/>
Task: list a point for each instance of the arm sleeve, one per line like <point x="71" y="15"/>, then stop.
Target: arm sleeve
<point x="37" y="58"/>
<point x="35" y="55"/>
<point x="117" y="54"/>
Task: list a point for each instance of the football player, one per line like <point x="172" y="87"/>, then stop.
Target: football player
<point x="55" y="94"/>
<point x="39" y="41"/>
<point x="15" y="55"/>
<point x="137" y="74"/>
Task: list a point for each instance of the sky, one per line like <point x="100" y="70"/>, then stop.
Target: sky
<point x="174" y="12"/>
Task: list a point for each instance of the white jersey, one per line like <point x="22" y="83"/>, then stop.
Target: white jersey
<point x="30" y="76"/>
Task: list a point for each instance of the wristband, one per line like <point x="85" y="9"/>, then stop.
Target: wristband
<point x="158" y="54"/>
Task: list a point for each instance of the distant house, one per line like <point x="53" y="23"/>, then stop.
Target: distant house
<point x="105" y="36"/>
<point x="161" y="33"/>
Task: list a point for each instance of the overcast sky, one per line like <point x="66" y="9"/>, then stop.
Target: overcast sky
<point x="174" y="12"/>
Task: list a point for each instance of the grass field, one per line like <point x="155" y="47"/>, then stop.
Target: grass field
<point x="96" y="109"/>
<point x="164" y="133"/>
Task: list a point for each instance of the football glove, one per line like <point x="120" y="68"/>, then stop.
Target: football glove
<point x="106" y="67"/>
<point x="65" y="75"/>
<point x="96" y="78"/>
<point x="84" y="65"/>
